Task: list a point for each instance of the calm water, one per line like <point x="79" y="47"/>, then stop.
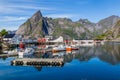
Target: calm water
<point x="89" y="63"/>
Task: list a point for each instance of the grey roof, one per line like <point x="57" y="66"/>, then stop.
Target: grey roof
<point x="9" y="36"/>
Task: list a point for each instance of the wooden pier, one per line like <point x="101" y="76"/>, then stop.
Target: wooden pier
<point x="38" y="62"/>
<point x="50" y="50"/>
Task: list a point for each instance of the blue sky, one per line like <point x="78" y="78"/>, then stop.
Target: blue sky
<point x="14" y="12"/>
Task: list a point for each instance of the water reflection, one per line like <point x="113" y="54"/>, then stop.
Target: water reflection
<point x="38" y="68"/>
<point x="109" y="53"/>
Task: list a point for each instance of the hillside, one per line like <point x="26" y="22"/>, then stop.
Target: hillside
<point x="105" y="24"/>
<point x="36" y="26"/>
<point x="112" y="33"/>
<point x="39" y="26"/>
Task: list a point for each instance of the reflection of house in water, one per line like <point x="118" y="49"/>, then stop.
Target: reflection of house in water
<point x="109" y="54"/>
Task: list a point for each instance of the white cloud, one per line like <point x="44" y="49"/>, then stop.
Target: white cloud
<point x="61" y="15"/>
<point x="7" y="10"/>
<point x="31" y="7"/>
<point x="20" y="8"/>
<point x="12" y="18"/>
<point x="9" y="27"/>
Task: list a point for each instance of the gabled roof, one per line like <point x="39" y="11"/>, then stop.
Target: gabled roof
<point x="9" y="36"/>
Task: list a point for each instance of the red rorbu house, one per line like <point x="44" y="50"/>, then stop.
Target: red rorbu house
<point x="69" y="42"/>
<point x="41" y="42"/>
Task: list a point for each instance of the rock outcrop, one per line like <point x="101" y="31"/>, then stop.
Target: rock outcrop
<point x="36" y="26"/>
<point x="39" y="26"/>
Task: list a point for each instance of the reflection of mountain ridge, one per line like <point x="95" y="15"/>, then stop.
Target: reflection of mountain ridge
<point x="108" y="53"/>
<point x="113" y="50"/>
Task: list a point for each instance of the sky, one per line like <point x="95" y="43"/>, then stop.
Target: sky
<point x="13" y="13"/>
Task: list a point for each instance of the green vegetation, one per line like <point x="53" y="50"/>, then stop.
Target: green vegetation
<point x="118" y="23"/>
<point x="83" y="35"/>
<point x="102" y="36"/>
<point x="0" y="43"/>
<point x="3" y="32"/>
<point x="65" y="32"/>
<point x="78" y="25"/>
<point x="70" y="33"/>
<point x="109" y="32"/>
<point x="57" y="31"/>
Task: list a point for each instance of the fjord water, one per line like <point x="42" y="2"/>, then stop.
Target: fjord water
<point x="89" y="63"/>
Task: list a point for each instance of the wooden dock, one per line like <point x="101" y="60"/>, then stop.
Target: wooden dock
<point x="8" y="55"/>
<point x="50" y="50"/>
<point x="38" y="62"/>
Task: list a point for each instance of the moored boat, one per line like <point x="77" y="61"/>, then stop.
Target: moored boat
<point x="27" y="51"/>
<point x="58" y="48"/>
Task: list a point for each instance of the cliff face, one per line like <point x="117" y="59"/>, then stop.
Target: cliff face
<point x="39" y="26"/>
<point x="36" y="26"/>
<point x="114" y="32"/>
<point x="69" y="29"/>
<point x="105" y="24"/>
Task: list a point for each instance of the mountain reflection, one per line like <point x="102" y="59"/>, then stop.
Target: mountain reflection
<point x="110" y="53"/>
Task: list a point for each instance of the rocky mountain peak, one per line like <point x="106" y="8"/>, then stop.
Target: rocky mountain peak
<point x="36" y="17"/>
<point x="84" y="21"/>
<point x="113" y="16"/>
<point x="36" y="26"/>
<point x="105" y="24"/>
<point x="39" y="26"/>
<point x="111" y="19"/>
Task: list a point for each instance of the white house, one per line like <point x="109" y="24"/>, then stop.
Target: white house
<point x="8" y="37"/>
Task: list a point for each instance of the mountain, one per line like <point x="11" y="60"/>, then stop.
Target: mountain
<point x="36" y="26"/>
<point x="39" y="26"/>
<point x="104" y="24"/>
<point x="69" y="29"/>
<point x="114" y="32"/>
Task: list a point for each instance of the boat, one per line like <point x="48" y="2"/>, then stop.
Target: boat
<point x="71" y="47"/>
<point x="58" y="54"/>
<point x="58" y="40"/>
<point x="5" y="51"/>
<point x="27" y="51"/>
<point x="9" y="51"/>
<point x="59" y="48"/>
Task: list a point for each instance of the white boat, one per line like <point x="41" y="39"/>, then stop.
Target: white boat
<point x="27" y="51"/>
<point x="5" y="52"/>
<point x="59" y="48"/>
<point x="9" y="51"/>
<point x="58" y="54"/>
<point x="60" y="39"/>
